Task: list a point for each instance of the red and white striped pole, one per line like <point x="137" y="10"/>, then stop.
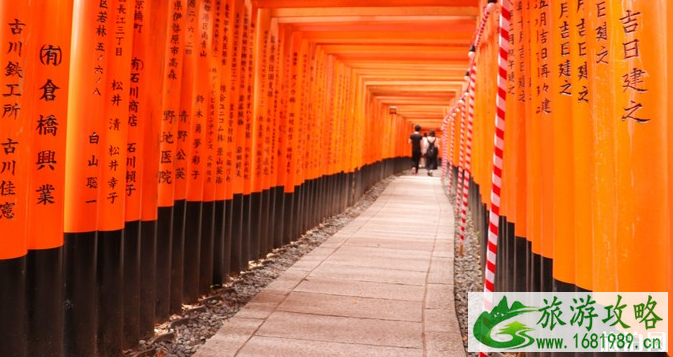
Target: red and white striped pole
<point x="445" y="149"/>
<point x="499" y="140"/>
<point x="472" y="73"/>
<point x="461" y="153"/>
<point x="452" y="118"/>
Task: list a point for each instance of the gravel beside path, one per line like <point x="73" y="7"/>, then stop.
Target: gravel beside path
<point x="467" y="270"/>
<point x="183" y="334"/>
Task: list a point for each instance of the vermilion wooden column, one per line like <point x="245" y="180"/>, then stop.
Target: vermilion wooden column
<point x="83" y="180"/>
<point x="168" y="153"/>
<point x="50" y="51"/>
<point x="18" y="24"/>
<point x="153" y="79"/>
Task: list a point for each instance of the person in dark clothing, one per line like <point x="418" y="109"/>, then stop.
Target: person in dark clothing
<point x="431" y="152"/>
<point x="415" y="140"/>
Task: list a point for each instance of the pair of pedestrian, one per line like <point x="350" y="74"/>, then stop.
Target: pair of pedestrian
<point x="424" y="146"/>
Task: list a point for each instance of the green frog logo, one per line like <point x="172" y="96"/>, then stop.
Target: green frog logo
<point x="488" y="322"/>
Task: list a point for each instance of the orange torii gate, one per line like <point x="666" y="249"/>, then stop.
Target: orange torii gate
<point x="153" y="148"/>
<point x="164" y="144"/>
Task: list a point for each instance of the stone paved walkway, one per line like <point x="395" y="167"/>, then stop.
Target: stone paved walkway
<point x="381" y="286"/>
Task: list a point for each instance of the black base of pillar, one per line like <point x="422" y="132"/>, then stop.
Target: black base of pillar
<point x="256" y="220"/>
<point x="192" y="250"/>
<point x="279" y="216"/>
<point x="288" y="217"/>
<point x="237" y="235"/>
<point x="110" y="273"/>
<point x="44" y="274"/>
<point x="13" y="326"/>
<point x="228" y="237"/>
<point x="246" y="247"/>
<point x="131" y="284"/>
<point x="520" y="244"/>
<point x="218" y="244"/>
<point x="148" y="273"/>
<point x="79" y="337"/>
<point x="163" y="266"/>
<point x="177" y="256"/>
<point x="206" y="247"/>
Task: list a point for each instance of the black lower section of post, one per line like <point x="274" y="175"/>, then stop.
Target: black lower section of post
<point x="192" y="251"/>
<point x="546" y="274"/>
<point x="110" y="331"/>
<point x="237" y="235"/>
<point x="79" y="337"/>
<point x="298" y="223"/>
<point x="288" y="217"/>
<point x="163" y="272"/>
<point x="520" y="263"/>
<point x="206" y="247"/>
<point x="177" y="256"/>
<point x="255" y="225"/>
<point x="218" y="244"/>
<point x="535" y="274"/>
<point x="148" y="273"/>
<point x="271" y="219"/>
<point x="131" y="284"/>
<point x="279" y="216"/>
<point x="228" y="236"/>
<point x="264" y="247"/>
<point x="246" y="250"/>
<point x="562" y="287"/>
<point x="13" y="320"/>
<point x="44" y="281"/>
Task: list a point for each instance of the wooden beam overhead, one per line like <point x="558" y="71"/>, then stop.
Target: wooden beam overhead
<point x="411" y="54"/>
<point x="276" y="4"/>
<point x="373" y="19"/>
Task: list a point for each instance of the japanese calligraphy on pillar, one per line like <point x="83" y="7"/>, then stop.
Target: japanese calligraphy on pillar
<point x="282" y="71"/>
<point x="543" y="40"/>
<point x="236" y="104"/>
<point x="14" y="143"/>
<point x="187" y="141"/>
<point x="601" y="34"/>
<point x="565" y="70"/>
<point x="208" y="92"/>
<point x="12" y="92"/>
<point x="48" y="127"/>
<point x="218" y="98"/>
<point x="520" y="51"/>
<point x="136" y="121"/>
<point x="261" y="124"/>
<point x="514" y="40"/>
<point x="292" y="116"/>
<point x="580" y="40"/>
<point x="633" y="80"/>
<point x="99" y="72"/>
<point x="249" y="102"/>
<point x="112" y="190"/>
<point x="272" y="107"/>
<point x="194" y="101"/>
<point x="305" y="124"/>
<point x="170" y="106"/>
<point x="243" y="116"/>
<point x="225" y="100"/>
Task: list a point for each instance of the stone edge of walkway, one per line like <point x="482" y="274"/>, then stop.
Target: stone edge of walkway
<point x="441" y="332"/>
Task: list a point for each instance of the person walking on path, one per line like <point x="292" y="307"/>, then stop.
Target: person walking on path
<point x="415" y="140"/>
<point x="424" y="144"/>
<point x="431" y="152"/>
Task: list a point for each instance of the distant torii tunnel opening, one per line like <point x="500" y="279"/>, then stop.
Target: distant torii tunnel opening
<point x="150" y="149"/>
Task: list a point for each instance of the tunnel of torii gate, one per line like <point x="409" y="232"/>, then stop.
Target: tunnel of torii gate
<point x="152" y="148"/>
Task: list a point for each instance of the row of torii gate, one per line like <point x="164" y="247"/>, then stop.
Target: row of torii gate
<point x="152" y="148"/>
